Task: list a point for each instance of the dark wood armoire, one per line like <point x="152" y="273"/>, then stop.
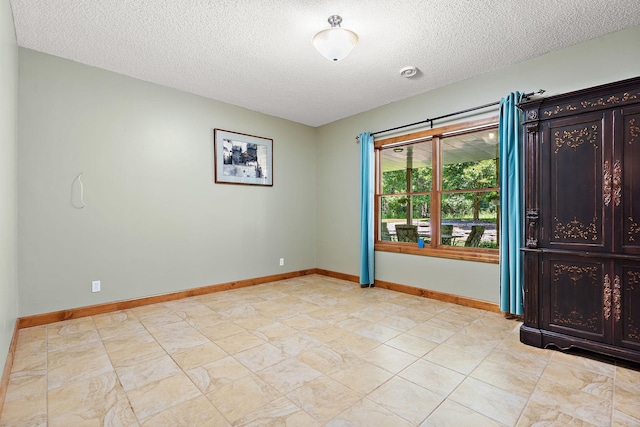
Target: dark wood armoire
<point x="582" y="220"/>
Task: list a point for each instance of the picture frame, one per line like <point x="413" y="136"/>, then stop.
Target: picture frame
<point x="242" y="159"/>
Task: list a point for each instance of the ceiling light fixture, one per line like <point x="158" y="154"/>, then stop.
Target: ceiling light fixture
<point x="336" y="42"/>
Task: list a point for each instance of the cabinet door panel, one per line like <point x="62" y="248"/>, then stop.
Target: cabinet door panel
<point x="627" y="130"/>
<point x="574" y="190"/>
<point x="626" y="306"/>
<point x="575" y="300"/>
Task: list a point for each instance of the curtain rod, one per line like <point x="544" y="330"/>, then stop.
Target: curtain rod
<point x="526" y="95"/>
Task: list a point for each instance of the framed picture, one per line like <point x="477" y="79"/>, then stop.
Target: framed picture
<point x="242" y="159"/>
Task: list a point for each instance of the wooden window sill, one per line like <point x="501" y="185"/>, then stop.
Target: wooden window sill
<point x="466" y="254"/>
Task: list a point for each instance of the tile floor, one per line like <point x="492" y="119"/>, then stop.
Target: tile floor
<point x="309" y="351"/>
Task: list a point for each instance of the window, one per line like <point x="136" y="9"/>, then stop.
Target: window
<point x="440" y="186"/>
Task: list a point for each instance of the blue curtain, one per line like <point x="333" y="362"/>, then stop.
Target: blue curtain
<point x="366" y="209"/>
<point x="511" y="205"/>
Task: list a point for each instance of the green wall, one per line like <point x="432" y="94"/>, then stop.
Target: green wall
<point x="8" y="180"/>
<point x="154" y="221"/>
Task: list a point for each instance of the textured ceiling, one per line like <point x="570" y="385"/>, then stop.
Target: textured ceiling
<point x="258" y="54"/>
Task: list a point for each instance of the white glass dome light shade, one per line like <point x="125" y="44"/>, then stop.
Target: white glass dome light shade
<point x="335" y="43"/>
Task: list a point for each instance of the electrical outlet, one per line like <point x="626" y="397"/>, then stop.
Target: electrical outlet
<point x="281" y="262"/>
<point x="95" y="286"/>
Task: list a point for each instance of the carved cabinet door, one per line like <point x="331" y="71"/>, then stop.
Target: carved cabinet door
<point x="577" y="296"/>
<point x="626" y="178"/>
<point x="626" y="305"/>
<point x="576" y="186"/>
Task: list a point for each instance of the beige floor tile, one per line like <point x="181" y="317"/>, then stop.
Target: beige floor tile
<point x="326" y="359"/>
<point x="202" y="321"/>
<point x="490" y="401"/>
<point x="519" y="358"/>
<point x="199" y="355"/>
<point x="239" y="342"/>
<point x="302" y="321"/>
<point x="354" y="343"/>
<point x="136" y="353"/>
<point x="254" y="322"/>
<point x="378" y="332"/>
<point x="416" y="314"/>
<point x="275" y="330"/>
<point x="221" y="330"/>
<point x="261" y="357"/>
<point x="148" y="310"/>
<point x="497" y="322"/>
<point x="30" y="356"/>
<point x="118" y="324"/>
<point x="432" y="377"/>
<point x="293" y="345"/>
<point x="175" y="337"/>
<point x="189" y="308"/>
<point x="329" y="314"/>
<point x="214" y="375"/>
<point x="372" y="314"/>
<point x="280" y="308"/>
<point x="31" y="335"/>
<point x="453" y="358"/>
<point x="412" y="344"/>
<point x="628" y="375"/>
<point x="323" y="398"/>
<point x="368" y="413"/>
<point x="67" y="337"/>
<point x="450" y="321"/>
<point x="118" y="342"/>
<point x="362" y="377"/>
<point x="29" y="411"/>
<point x="241" y="397"/>
<point x="159" y="319"/>
<point x="288" y="375"/>
<point x="544" y="415"/>
<point x="450" y="413"/>
<point x="480" y="331"/>
<point x="353" y="324"/>
<point x="388" y="358"/>
<point x="25" y="384"/>
<point x="298" y="337"/>
<point x="158" y="396"/>
<point x="77" y="363"/>
<point x="626" y="398"/>
<point x="150" y="371"/>
<point x="471" y="344"/>
<point x="406" y="399"/>
<point x="620" y="419"/>
<point x="582" y="361"/>
<point x="577" y="377"/>
<point x="514" y="380"/>
<point x="239" y="311"/>
<point x="97" y="401"/>
<point x="575" y="403"/>
<point x="279" y="412"/>
<point x="431" y="333"/>
<point x="398" y="322"/>
<point x="198" y="412"/>
<point x="326" y="332"/>
<point x="70" y="327"/>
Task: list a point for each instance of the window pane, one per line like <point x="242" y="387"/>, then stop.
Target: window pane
<point x="421" y="179"/>
<point x="469" y="219"/>
<point x="470" y="160"/>
<point x="396" y="225"/>
<point x="406" y="169"/>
